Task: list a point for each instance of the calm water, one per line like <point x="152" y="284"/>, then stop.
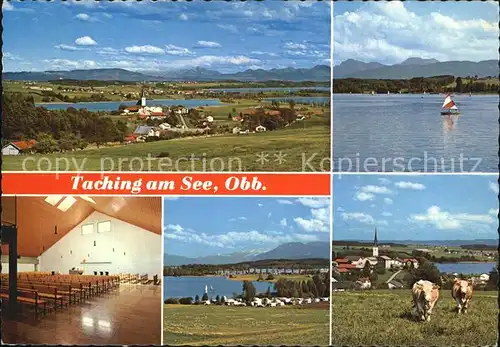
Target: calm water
<point x="466" y="268"/>
<point x="268" y="89"/>
<point x="302" y="99"/>
<point x="409" y="132"/>
<point x="178" y="287"/>
<point x="113" y="105"/>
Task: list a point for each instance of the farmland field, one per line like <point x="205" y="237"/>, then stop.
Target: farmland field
<point x="224" y="325"/>
<point x="381" y="317"/>
<point x="297" y="144"/>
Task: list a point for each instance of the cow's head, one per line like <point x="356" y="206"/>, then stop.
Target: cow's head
<point x="464" y="286"/>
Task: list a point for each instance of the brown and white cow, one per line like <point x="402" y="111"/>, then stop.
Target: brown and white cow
<point x="425" y="295"/>
<point x="462" y="293"/>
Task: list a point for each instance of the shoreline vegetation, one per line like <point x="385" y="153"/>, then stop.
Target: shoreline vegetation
<point x="417" y="85"/>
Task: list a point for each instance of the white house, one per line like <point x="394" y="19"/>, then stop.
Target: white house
<point x="16" y="148"/>
<point x="165" y="126"/>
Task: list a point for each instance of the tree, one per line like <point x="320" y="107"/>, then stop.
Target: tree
<point x="459" y="85"/>
<point x="197" y="300"/>
<point x="222" y="300"/>
<point x="249" y="291"/>
<point x="217" y="299"/>
<point x="204" y="297"/>
<point x="229" y="116"/>
<point x="46" y="144"/>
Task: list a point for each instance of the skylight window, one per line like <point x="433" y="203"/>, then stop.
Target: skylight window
<point x="66" y="203"/>
<point x="87" y="229"/>
<point x="53" y="199"/>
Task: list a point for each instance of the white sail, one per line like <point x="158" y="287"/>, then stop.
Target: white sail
<point x="447" y="101"/>
<point x="454" y="107"/>
<point x="206" y="289"/>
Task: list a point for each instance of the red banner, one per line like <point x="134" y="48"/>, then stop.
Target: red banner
<point x="97" y="183"/>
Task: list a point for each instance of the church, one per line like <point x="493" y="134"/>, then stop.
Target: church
<point x="81" y="270"/>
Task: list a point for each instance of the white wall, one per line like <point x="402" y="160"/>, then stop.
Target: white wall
<point x="142" y="249"/>
<point x="20" y="267"/>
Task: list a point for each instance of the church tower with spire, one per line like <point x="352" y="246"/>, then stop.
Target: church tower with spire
<point x="142" y="101"/>
<point x="375" y="244"/>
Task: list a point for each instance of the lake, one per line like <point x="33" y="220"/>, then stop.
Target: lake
<point x="113" y="105"/>
<point x="178" y="287"/>
<point x="302" y="99"/>
<point x="409" y="132"/>
<point x="466" y="268"/>
<point x="267" y="89"/>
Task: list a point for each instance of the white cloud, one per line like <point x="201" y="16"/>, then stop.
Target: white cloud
<point x="108" y="51"/>
<point x="314" y="202"/>
<point x="84" y="17"/>
<point x="70" y="64"/>
<point x="174" y="227"/>
<point x="358" y="216"/>
<point x="389" y="33"/>
<point x="283" y="222"/>
<point x="242" y="218"/>
<point x="494" y="187"/>
<point x="444" y="220"/>
<point x="386" y="214"/>
<point x="183" y="16"/>
<point x="493" y="211"/>
<point x="264" y="53"/>
<point x="292" y="45"/>
<point x="376" y="189"/>
<point x="85" y="41"/>
<point x="70" y="48"/>
<point x="146" y="49"/>
<point x="176" y="50"/>
<point x="409" y="185"/>
<point x="208" y="44"/>
<point x="228" y="27"/>
<point x="260" y="205"/>
<point x="231" y="239"/>
<point x="284" y="202"/>
<point x="362" y="196"/>
<point x="388" y="201"/>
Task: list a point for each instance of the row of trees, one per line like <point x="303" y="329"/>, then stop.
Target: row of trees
<point x="57" y="130"/>
<point x="437" y="84"/>
<point x="50" y="96"/>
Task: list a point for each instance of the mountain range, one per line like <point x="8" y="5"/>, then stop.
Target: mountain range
<point x="291" y="250"/>
<point x="414" y="67"/>
<point x="317" y="73"/>
<point x="451" y="243"/>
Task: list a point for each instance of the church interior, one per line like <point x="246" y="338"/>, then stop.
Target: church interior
<point x="81" y="270"/>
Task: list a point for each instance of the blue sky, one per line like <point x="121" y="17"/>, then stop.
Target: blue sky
<point x="415" y="207"/>
<point x="195" y="227"/>
<point x="164" y="35"/>
<point x="390" y="32"/>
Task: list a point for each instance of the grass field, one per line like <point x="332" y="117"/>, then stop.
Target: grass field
<point x="381" y="317"/>
<point x="232" y="153"/>
<point x="224" y="325"/>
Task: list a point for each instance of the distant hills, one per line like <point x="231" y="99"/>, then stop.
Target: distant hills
<point x="454" y="243"/>
<point x="415" y="67"/>
<point x="292" y="250"/>
<point x="319" y="73"/>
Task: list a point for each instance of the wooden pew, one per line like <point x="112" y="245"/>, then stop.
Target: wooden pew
<point x="26" y="297"/>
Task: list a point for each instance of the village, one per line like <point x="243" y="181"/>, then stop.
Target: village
<point x="354" y="272"/>
<point x="147" y="123"/>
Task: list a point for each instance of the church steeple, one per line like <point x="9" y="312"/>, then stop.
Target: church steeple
<point x="142" y="100"/>
<point x="375" y="244"/>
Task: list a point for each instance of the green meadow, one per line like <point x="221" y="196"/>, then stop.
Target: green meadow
<point x="382" y="317"/>
<point x="197" y="325"/>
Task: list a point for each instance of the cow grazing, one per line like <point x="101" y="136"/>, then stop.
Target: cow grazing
<point x="425" y="295"/>
<point x="462" y="293"/>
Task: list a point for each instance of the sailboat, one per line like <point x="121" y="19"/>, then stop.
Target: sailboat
<point x="211" y="288"/>
<point x="206" y="289"/>
<point x="449" y="107"/>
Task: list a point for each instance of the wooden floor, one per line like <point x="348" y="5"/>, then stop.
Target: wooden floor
<point x="130" y="314"/>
